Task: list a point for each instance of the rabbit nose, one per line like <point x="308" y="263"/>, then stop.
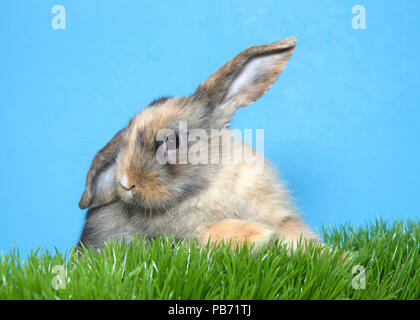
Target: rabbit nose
<point x="125" y="183"/>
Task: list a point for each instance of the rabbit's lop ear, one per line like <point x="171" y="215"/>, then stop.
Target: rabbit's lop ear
<point x="101" y="178"/>
<point x="245" y="78"/>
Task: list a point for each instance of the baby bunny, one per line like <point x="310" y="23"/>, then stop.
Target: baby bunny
<point x="145" y="181"/>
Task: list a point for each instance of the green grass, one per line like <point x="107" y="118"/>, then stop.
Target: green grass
<point x="165" y="269"/>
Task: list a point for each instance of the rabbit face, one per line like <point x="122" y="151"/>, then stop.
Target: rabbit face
<point x="140" y="178"/>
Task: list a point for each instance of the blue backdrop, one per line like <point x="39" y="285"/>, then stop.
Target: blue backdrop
<point x="341" y="124"/>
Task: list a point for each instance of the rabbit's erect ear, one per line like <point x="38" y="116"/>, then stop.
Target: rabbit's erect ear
<point x="101" y="178"/>
<point x="245" y="78"/>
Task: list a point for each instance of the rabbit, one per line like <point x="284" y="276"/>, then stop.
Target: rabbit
<point x="129" y="192"/>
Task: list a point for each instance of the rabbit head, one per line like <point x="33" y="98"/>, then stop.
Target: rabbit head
<point x="131" y="167"/>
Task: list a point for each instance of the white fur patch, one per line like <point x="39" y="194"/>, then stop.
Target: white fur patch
<point x="105" y="184"/>
<point x="254" y="69"/>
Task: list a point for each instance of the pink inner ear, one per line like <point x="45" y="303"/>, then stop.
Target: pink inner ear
<point x="249" y="74"/>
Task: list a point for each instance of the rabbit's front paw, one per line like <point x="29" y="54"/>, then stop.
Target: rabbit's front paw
<point x="237" y="232"/>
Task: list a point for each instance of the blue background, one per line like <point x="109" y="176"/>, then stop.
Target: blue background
<point x="341" y="123"/>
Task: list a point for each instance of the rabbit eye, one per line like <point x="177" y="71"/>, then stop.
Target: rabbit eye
<point x="172" y="141"/>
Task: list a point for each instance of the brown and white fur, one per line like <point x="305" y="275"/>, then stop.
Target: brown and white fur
<point x="129" y="193"/>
